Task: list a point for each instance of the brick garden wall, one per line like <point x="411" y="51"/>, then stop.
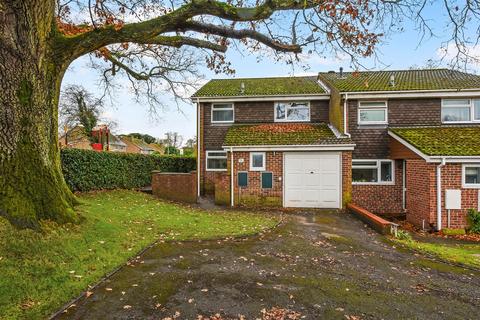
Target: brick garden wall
<point x="385" y="200"/>
<point x="175" y="186"/>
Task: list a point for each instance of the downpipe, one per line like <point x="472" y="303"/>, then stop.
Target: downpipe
<point x="439" y="194"/>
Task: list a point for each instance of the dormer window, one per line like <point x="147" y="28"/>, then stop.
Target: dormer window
<point x="292" y="112"/>
<point x="460" y="110"/>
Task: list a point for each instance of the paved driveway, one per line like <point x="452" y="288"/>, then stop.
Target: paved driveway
<point x="323" y="266"/>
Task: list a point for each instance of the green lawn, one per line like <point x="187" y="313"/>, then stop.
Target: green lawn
<point x="39" y="272"/>
<point x="466" y="254"/>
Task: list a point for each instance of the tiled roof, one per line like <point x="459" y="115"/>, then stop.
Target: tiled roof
<point x="260" y="87"/>
<point x="281" y="134"/>
<point x="432" y="79"/>
<point x="443" y="141"/>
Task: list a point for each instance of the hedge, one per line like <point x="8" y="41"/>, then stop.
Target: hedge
<point x="86" y="170"/>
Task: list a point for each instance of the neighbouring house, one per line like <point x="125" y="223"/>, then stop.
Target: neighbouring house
<point x="77" y="139"/>
<point x="157" y="148"/>
<point x="135" y="145"/>
<point x="394" y="142"/>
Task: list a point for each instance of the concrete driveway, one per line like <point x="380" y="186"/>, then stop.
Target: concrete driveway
<point x="317" y="266"/>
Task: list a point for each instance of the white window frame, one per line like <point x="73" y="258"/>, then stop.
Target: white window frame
<point x="471" y="105"/>
<point x="264" y="163"/>
<point x="231" y="107"/>
<point x="214" y="157"/>
<point x="379" y="171"/>
<point x="286" y="103"/>
<point x="360" y="108"/>
<point x="464" y="183"/>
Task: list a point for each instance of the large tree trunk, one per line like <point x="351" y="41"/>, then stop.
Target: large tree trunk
<point x="32" y="186"/>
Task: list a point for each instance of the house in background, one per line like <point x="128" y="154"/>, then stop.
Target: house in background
<point x="135" y="145"/>
<point x="394" y="142"/>
<point x="77" y="139"/>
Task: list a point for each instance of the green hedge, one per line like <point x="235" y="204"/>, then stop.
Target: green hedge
<point x="86" y="170"/>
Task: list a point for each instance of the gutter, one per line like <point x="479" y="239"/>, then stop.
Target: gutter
<point x="439" y="194"/>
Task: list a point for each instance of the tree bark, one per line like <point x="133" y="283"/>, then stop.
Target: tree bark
<point x="32" y="186"/>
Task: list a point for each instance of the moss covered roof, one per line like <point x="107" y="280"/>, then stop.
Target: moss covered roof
<point x="443" y="141"/>
<point x="260" y="87"/>
<point x="281" y="134"/>
<point x="431" y="79"/>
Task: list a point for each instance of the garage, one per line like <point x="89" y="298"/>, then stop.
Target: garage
<point x="312" y="180"/>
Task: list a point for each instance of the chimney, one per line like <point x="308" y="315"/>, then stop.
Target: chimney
<point x="242" y="88"/>
<point x="341" y="72"/>
<point x="391" y="82"/>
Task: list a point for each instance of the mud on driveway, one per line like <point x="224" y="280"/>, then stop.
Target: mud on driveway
<point x="322" y="265"/>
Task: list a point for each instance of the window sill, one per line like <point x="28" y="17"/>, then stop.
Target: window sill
<point x="373" y="183"/>
<point x="216" y="170"/>
<point x="471" y="186"/>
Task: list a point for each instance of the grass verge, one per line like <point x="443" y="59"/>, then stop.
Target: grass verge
<point x="42" y="271"/>
<point x="464" y="254"/>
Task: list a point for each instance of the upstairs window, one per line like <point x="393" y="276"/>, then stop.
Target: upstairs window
<point x="216" y="161"/>
<point x="372" y="112"/>
<point x="460" y="110"/>
<point x="292" y="111"/>
<point x="372" y="171"/>
<point x="222" y="113"/>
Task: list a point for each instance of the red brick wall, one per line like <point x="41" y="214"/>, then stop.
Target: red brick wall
<point x="346" y="178"/>
<point x="253" y="194"/>
<point x="175" y="186"/>
<point x="381" y="199"/>
<point x="422" y="194"/>
<point x="452" y="179"/>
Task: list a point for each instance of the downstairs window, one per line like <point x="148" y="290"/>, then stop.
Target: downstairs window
<point x="471" y="176"/>
<point x="372" y="172"/>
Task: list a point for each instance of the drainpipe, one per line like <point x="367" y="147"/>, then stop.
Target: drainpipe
<point x="232" y="200"/>
<point x="198" y="148"/>
<point x="439" y="194"/>
<point x="345" y="116"/>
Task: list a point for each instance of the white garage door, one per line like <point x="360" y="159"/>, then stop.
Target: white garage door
<point x="312" y="180"/>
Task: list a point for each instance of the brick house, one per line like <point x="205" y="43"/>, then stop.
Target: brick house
<point x="393" y="142"/>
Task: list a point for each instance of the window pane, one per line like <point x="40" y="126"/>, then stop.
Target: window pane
<point x="298" y="113"/>
<point x="217" y="163"/>
<point x="456" y="114"/>
<point x="280" y="111"/>
<point x="386" y="171"/>
<point x="373" y="104"/>
<point x="217" y="154"/>
<point x="377" y="115"/>
<point x="242" y="179"/>
<point x="222" y="106"/>
<point x="456" y="102"/>
<point x="472" y="175"/>
<point x="477" y="109"/>
<point x="222" y="115"/>
<point x="257" y="160"/>
<point x="364" y="163"/>
<point x="364" y="175"/>
<point x="267" y="180"/>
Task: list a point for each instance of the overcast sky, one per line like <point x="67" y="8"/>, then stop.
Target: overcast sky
<point x="400" y="51"/>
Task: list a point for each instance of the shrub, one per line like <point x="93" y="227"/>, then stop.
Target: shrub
<point x="453" y="232"/>
<point x="473" y="218"/>
<point x="86" y="170"/>
<point x="403" y="235"/>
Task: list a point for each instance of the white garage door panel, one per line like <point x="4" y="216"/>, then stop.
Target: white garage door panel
<point x="312" y="180"/>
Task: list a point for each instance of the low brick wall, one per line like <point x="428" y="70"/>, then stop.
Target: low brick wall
<point x="375" y="222"/>
<point x="175" y="186"/>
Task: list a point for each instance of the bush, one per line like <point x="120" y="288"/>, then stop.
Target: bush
<point x="403" y="235"/>
<point x="473" y="218"/>
<point x="86" y="170"/>
<point x="453" y="232"/>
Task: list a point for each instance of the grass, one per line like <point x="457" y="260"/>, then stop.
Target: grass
<point x="465" y="254"/>
<point x="42" y="271"/>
